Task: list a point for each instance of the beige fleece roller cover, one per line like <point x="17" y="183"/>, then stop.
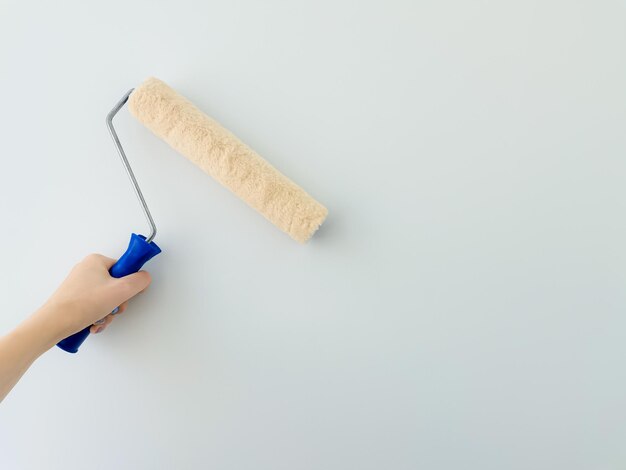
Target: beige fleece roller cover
<point x="223" y="156"/>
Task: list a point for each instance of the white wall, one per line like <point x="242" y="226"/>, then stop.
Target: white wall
<point x="463" y="307"/>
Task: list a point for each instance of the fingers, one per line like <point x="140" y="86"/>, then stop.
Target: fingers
<point x="121" y="308"/>
<point x="100" y="259"/>
<point x="95" y="329"/>
<point x="100" y="325"/>
<point x="133" y="284"/>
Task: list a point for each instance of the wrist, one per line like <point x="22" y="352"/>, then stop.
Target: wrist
<point x="42" y="330"/>
<point x="30" y="339"/>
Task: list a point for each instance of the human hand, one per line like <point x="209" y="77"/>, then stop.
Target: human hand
<point x="89" y="294"/>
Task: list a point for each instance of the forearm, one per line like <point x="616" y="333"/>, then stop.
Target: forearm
<point x="22" y="346"/>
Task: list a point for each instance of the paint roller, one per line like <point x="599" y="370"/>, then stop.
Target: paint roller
<point x="219" y="153"/>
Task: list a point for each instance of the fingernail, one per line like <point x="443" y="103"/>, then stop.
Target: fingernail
<point x="99" y="329"/>
<point x="115" y="310"/>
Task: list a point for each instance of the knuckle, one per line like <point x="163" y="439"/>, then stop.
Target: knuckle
<point x="126" y="285"/>
<point x="92" y="257"/>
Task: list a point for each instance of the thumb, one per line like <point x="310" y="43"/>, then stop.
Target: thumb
<point x="131" y="285"/>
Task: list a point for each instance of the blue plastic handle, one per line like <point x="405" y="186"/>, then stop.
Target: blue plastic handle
<point x="138" y="253"/>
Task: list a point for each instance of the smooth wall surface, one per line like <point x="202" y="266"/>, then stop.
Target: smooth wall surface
<point x="463" y="306"/>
